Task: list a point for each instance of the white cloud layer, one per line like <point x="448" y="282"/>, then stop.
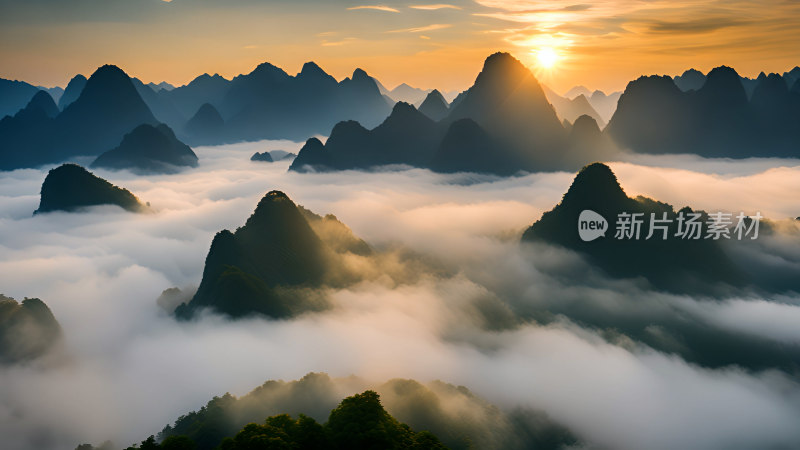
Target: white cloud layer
<point x="129" y="369"/>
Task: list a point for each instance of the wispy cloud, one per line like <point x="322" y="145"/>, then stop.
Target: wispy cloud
<point x="250" y="47"/>
<point x="375" y="7"/>
<point x="696" y="26"/>
<point x="436" y="26"/>
<point x="344" y="41"/>
<point x="435" y="6"/>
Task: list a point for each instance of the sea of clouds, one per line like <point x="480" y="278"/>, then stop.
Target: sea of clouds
<point x="127" y="368"/>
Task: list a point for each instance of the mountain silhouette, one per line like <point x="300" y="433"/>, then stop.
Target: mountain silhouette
<point x="673" y="264"/>
<point x="38" y="110"/>
<point x="313" y="75"/>
<point x="508" y="102"/>
<point x="778" y="113"/>
<point x="107" y="108"/>
<point x="70" y="187"/>
<point x="313" y="157"/>
<point x="159" y="104"/>
<point x="267" y="266"/>
<point x="362" y="100"/>
<point x="690" y="80"/>
<point x="652" y="116"/>
<point x="275" y="247"/>
<point x="576" y="91"/>
<point x="28" y="329"/>
<point x="406" y="137"/>
<point x="27" y="132"/>
<point x="719" y="119"/>
<point x="72" y="91"/>
<point x="203" y="89"/>
<point x="605" y="105"/>
<point x="409" y="94"/>
<point x="466" y="147"/>
<point x="163" y="86"/>
<point x="511" y="128"/>
<point x="14" y="95"/>
<point x="570" y="109"/>
<point x="44" y="102"/>
<point x="206" y="126"/>
<point x="586" y="138"/>
<point x="148" y="149"/>
<point x="263" y="157"/>
<point x="434" y="106"/>
<point x="268" y="103"/>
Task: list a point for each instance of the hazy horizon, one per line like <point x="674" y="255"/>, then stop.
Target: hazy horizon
<point x="602" y="46"/>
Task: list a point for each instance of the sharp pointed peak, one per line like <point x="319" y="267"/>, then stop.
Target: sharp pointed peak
<point x="595" y="180"/>
<point x="359" y="74"/>
<point x="312" y="68"/>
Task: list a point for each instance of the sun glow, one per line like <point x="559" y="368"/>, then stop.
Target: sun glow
<point x="546" y="57"/>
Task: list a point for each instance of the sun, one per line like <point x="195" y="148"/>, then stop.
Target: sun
<point x="546" y="57"/>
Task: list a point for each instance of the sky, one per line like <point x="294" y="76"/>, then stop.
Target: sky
<point x="601" y="44"/>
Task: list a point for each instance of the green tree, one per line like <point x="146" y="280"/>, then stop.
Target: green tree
<point x="361" y="422"/>
<point x="178" y="443"/>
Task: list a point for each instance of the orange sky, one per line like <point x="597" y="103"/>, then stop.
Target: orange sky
<point x="602" y="44"/>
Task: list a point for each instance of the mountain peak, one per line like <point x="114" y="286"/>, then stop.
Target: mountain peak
<point x="268" y="70"/>
<point x="108" y="74"/>
<point x="723" y="86"/>
<point x="501" y="67"/>
<point x="70" y="187"/>
<point x="436" y="95"/>
<point x="499" y="59"/>
<point x="312" y="154"/>
<point x="585" y="125"/>
<point x="270" y="207"/>
<point x="595" y="182"/>
<point x="723" y="76"/>
<point x="72" y="91"/>
<point x="208" y="110"/>
<point x="150" y="149"/>
<point x="312" y="68"/>
<point x="403" y="108"/>
<point x="44" y="102"/>
<point x="108" y="79"/>
<point x="360" y="75"/>
<point x="434" y="106"/>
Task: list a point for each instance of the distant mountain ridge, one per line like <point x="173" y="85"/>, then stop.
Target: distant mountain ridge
<point x="570" y="109"/>
<point x="107" y="107"/>
<point x="503" y="124"/>
<point x="719" y="119"/>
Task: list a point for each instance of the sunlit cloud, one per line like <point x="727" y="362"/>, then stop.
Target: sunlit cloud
<point x="375" y="7"/>
<point x="344" y="41"/>
<point x="435" y="7"/>
<point x="435" y="26"/>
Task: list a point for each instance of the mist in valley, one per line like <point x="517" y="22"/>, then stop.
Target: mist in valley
<point x="532" y="327"/>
